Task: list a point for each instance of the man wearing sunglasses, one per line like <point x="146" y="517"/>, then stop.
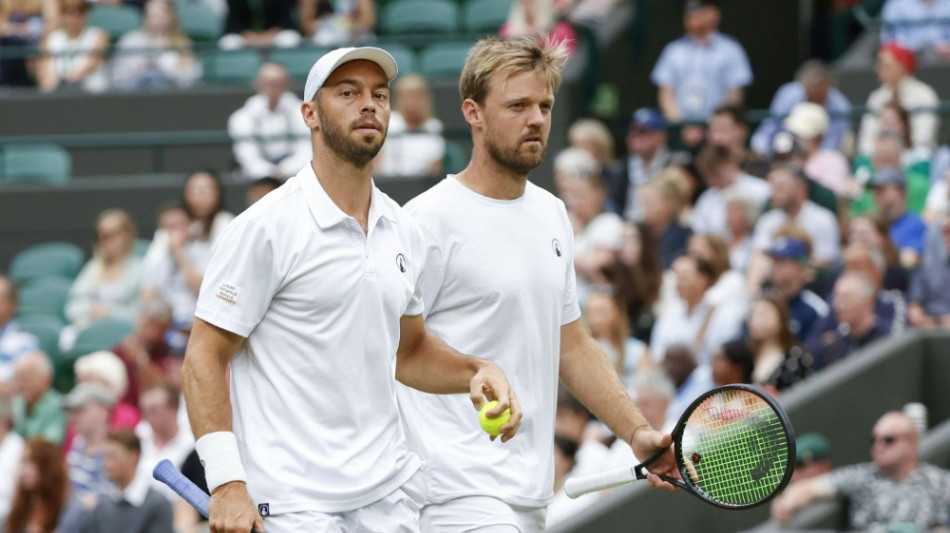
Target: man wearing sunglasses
<point x="894" y="489"/>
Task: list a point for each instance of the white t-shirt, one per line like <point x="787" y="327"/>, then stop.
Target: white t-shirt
<point x="819" y="223"/>
<point x="411" y="152"/>
<point x="499" y="285"/>
<point x="320" y="302"/>
<point x="709" y="215"/>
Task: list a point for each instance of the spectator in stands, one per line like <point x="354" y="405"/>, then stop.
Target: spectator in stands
<point x="728" y="284"/>
<point x="789" y="273"/>
<point x="260" y="25"/>
<point x="37" y="407"/>
<point x="812" y="457"/>
<point x="13" y="342"/>
<point x="43" y="502"/>
<point x="137" y="506"/>
<point x="742" y="213"/>
<point x="728" y="128"/>
<point x="637" y="273"/>
<point x="259" y="188"/>
<point x="268" y="132"/>
<point x="332" y="24"/>
<point x="661" y="209"/>
<point x="145" y="352"/>
<point x="106" y="369"/>
<point x="594" y="136"/>
<point x="895" y="70"/>
<point x="534" y="18"/>
<point x="809" y="123"/>
<point x="690" y="318"/>
<point x="608" y="323"/>
<point x="891" y="149"/>
<point x="703" y="69"/>
<point x="11" y="448"/>
<point x="22" y="24"/>
<point x="814" y="83"/>
<point x="73" y="55"/>
<point x="157" y="55"/>
<point x="907" y="230"/>
<point x="414" y="143"/>
<point x="894" y="489"/>
<point x="721" y="172"/>
<point x="90" y="406"/>
<point x="160" y="434"/>
<point x="893" y="119"/>
<point x="790" y="204"/>
<point x="108" y="286"/>
<point x="647" y="155"/>
<point x="653" y="390"/>
<point x="874" y="233"/>
<point x="203" y="199"/>
<point x="919" y="25"/>
<point x="929" y="295"/>
<point x="733" y="363"/>
<point x="780" y="360"/>
<point x="854" y="300"/>
<point x="690" y="378"/>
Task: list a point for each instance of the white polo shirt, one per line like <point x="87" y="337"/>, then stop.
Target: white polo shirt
<point x="313" y="387"/>
<point x="500" y="284"/>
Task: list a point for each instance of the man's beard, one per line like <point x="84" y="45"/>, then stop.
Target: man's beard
<point x="514" y="159"/>
<point x="358" y="153"/>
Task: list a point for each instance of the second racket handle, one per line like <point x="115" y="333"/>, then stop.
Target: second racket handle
<point x="579" y="486"/>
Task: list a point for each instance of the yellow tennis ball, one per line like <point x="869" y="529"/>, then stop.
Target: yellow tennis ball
<point x="492" y="425"/>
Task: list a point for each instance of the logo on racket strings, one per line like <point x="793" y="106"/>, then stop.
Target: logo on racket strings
<point x="401" y="262"/>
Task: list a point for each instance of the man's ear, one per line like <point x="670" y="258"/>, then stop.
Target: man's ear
<point x="311" y="116"/>
<point x="472" y="112"/>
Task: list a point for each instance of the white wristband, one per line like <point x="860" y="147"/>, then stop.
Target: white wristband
<point x="219" y="455"/>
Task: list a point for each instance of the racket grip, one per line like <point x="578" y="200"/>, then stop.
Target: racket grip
<point x="579" y="486"/>
<point x="166" y="472"/>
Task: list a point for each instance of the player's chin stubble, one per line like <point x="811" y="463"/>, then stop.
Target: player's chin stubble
<point x="513" y="158"/>
<point x="358" y="153"/>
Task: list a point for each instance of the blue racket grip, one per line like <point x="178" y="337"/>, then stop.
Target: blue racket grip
<point x="166" y="472"/>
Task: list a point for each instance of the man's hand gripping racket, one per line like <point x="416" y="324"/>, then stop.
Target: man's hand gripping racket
<point x="733" y="448"/>
<point x="166" y="472"/>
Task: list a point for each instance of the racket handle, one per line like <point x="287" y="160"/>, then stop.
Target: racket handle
<point x="579" y="486"/>
<point x="166" y="472"/>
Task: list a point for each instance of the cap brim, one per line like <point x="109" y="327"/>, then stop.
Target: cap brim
<point x="369" y="53"/>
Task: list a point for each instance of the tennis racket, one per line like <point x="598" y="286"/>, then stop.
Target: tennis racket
<point x="166" y="472"/>
<point x="734" y="448"/>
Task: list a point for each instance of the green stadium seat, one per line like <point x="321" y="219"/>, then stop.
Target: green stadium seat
<point x="420" y="16"/>
<point x="297" y="61"/>
<point x="116" y="20"/>
<point x="102" y="335"/>
<point x="444" y="60"/>
<point x="46" y="330"/>
<point x="61" y="259"/>
<point x="405" y="57"/>
<point x="231" y="66"/>
<point x="485" y="15"/>
<point x="44" y="299"/>
<point x="199" y="22"/>
<point x="47" y="163"/>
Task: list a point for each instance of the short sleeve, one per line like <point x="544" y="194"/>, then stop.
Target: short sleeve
<point x="739" y="73"/>
<point x="433" y="272"/>
<point x="664" y="72"/>
<point x="241" y="278"/>
<point x="417" y="302"/>
<point x="570" y="309"/>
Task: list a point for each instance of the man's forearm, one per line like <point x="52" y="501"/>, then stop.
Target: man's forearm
<point x="432" y="366"/>
<point x="205" y="385"/>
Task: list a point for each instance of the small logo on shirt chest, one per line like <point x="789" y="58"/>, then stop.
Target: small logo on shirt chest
<point x="556" y="246"/>
<point x="263" y="509"/>
<point x="401" y="262"/>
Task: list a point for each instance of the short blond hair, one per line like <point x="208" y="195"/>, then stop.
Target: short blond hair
<point x="494" y="54"/>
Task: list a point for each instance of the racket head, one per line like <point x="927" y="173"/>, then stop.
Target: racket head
<point x="734" y="447"/>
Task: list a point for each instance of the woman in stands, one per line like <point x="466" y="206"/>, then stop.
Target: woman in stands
<point x="72" y="55"/>
<point x="780" y="361"/>
<point x="203" y="199"/>
<point x="157" y="55"/>
<point x="638" y="274"/>
<point x="109" y="284"/>
<point x="42" y="502"/>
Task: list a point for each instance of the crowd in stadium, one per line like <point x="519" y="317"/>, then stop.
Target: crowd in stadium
<point x="707" y="252"/>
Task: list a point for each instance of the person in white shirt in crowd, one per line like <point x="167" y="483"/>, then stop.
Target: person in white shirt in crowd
<point x="270" y="138"/>
<point x="809" y="123"/>
<point x="73" y="55"/>
<point x="728" y="127"/>
<point x="11" y="447"/>
<point x="161" y="435"/>
<point x="157" y="55"/>
<point x="720" y="170"/>
<point x="742" y="213"/>
<point x="607" y="319"/>
<point x="14" y="343"/>
<point x="919" y="25"/>
<point x="414" y="145"/>
<point x="895" y="70"/>
<point x="647" y="155"/>
<point x="730" y="283"/>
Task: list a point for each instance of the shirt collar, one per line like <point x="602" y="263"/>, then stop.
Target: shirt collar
<point x="327" y="213"/>
<point x="136" y="492"/>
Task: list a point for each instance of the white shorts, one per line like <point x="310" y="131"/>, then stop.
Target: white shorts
<point x="397" y="513"/>
<point x="481" y="514"/>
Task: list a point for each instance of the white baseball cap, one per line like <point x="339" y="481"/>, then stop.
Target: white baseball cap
<point x="325" y="66"/>
<point x="807" y="120"/>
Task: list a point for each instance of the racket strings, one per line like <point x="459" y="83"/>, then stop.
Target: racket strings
<point x="735" y="448"/>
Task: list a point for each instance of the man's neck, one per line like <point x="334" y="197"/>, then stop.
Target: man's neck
<point x="486" y="177"/>
<point x="350" y="187"/>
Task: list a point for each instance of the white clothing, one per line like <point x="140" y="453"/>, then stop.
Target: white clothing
<point x="563" y="507"/>
<point x="14" y="343"/>
<point x="176" y="451"/>
<point x="912" y="94"/>
<point x="139" y="55"/>
<point x="499" y="285"/>
<point x="481" y="514"/>
<point x="320" y="303"/>
<point x="740" y="254"/>
<point x="268" y="142"/>
<point x="937" y="198"/>
<point x="164" y="275"/>
<point x="709" y="215"/>
<point x="819" y="223"/>
<point x="675" y="325"/>
<point x="604" y="231"/>
<point x="729" y="289"/>
<point x="73" y="54"/>
<point x="411" y="152"/>
<point x="11" y="448"/>
<point x="397" y="512"/>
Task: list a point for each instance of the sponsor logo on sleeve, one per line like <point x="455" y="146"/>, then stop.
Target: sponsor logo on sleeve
<point x="229" y="293"/>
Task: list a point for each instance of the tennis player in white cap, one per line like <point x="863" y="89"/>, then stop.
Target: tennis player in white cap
<point x="313" y="298"/>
